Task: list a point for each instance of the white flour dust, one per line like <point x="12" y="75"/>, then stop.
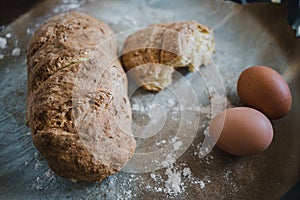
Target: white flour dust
<point x="175" y="178"/>
<point x="9" y="46"/>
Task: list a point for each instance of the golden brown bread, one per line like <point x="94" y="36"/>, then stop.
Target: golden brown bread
<point x="151" y="54"/>
<point x="77" y="105"/>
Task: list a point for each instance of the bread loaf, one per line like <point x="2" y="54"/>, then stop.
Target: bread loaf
<point x="151" y="54"/>
<point x="77" y="104"/>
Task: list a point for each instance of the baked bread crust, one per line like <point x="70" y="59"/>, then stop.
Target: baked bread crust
<point x="153" y="53"/>
<point x="77" y="104"/>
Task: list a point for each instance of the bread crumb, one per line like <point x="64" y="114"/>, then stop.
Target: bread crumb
<point x="177" y="145"/>
<point x="3" y="43"/>
<point x="153" y="176"/>
<point x="8" y="35"/>
<point x="202" y="185"/>
<point x="161" y="142"/>
<point x="170" y="160"/>
<point x="158" y="189"/>
<point x="173" y="183"/>
<point x="186" y="172"/>
<point x="171" y="102"/>
<point x="16" y="52"/>
<point x="29" y="31"/>
<point x="37" y="165"/>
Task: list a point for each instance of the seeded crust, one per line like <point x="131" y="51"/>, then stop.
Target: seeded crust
<point x="77" y="104"/>
<point x="151" y="54"/>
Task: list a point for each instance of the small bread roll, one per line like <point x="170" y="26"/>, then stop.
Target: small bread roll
<point x="77" y="104"/>
<point x="151" y="54"/>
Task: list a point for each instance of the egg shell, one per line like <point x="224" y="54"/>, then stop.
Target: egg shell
<point x="241" y="131"/>
<point x="264" y="89"/>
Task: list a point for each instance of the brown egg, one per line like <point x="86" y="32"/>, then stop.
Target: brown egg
<point x="264" y="89"/>
<point x="241" y="131"/>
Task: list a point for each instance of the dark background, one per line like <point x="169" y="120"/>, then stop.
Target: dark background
<point x="12" y="9"/>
